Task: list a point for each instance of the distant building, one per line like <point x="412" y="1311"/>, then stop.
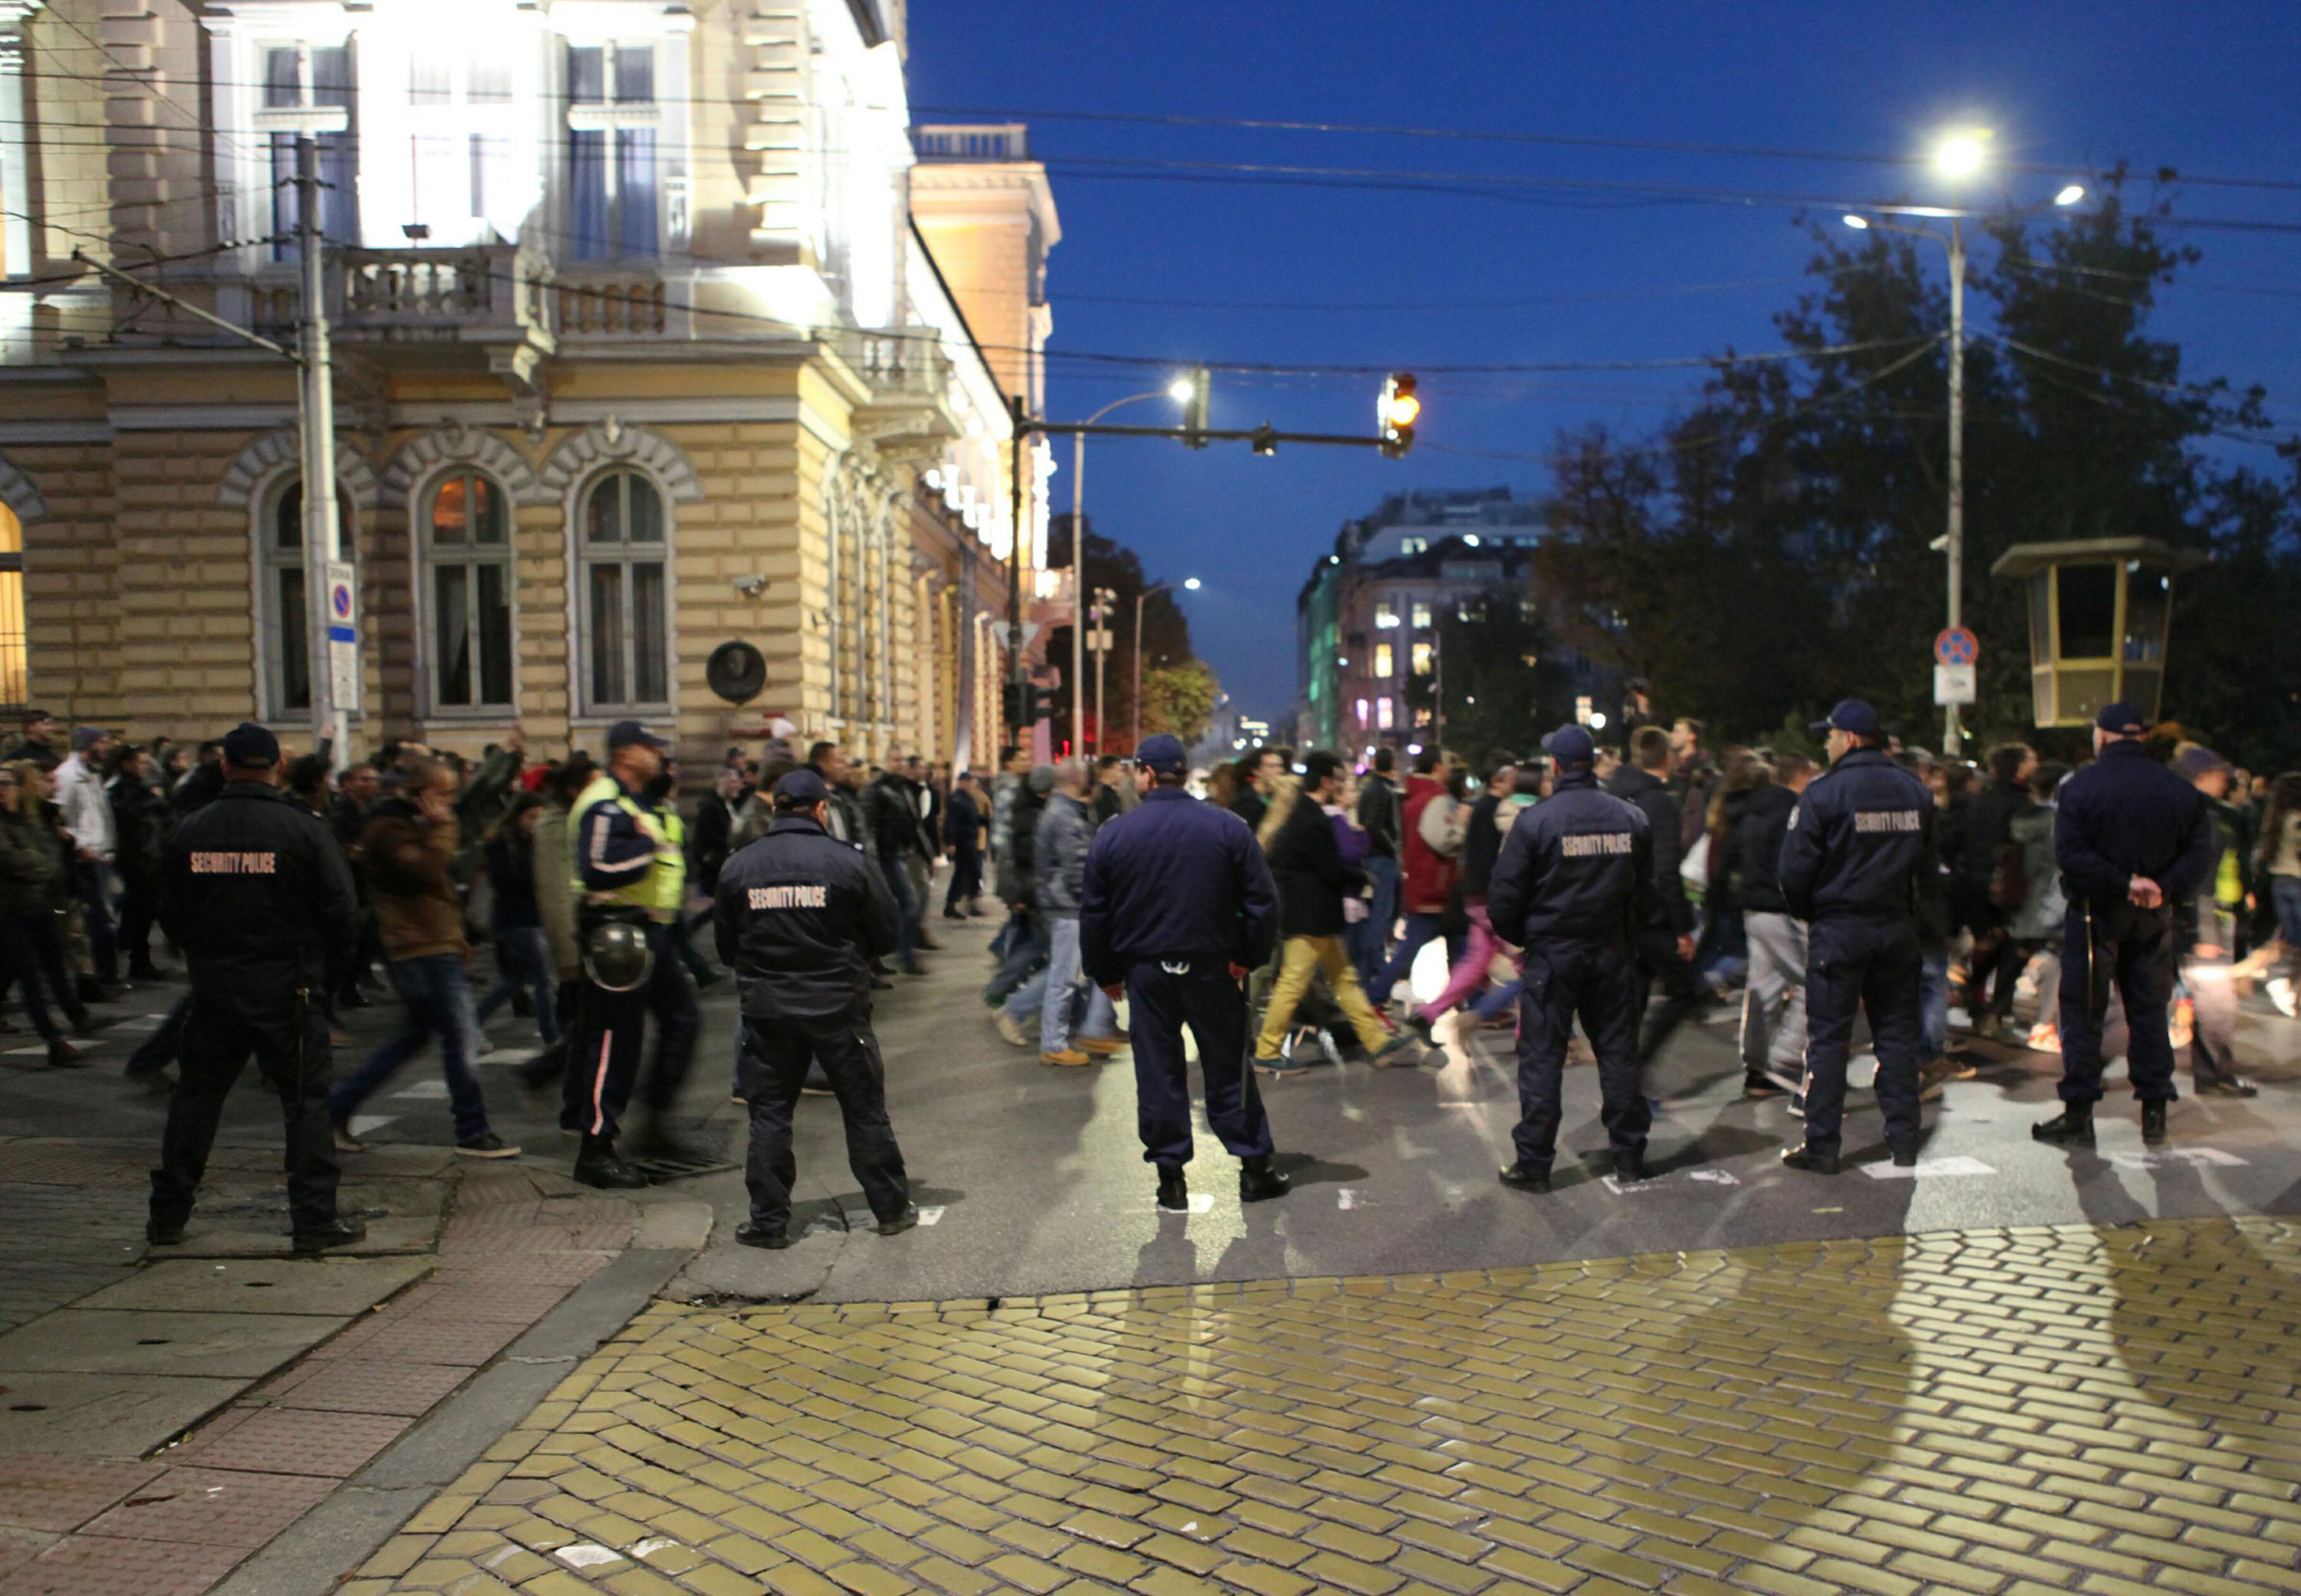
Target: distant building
<point x="1366" y="619"/>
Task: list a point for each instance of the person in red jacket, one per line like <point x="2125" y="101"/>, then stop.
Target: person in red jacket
<point x="1430" y="837"/>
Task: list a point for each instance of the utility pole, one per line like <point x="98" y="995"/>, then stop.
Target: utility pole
<point x="325" y="631"/>
<point x="1953" y="741"/>
<point x="1103" y="599"/>
<point x="1015" y="671"/>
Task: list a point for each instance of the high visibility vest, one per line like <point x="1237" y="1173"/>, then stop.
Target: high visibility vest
<point x="649" y="891"/>
<point x="670" y="872"/>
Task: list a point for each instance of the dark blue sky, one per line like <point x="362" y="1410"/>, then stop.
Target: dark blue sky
<point x="1556" y="276"/>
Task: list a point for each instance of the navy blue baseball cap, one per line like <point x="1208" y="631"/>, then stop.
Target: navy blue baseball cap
<point x="802" y="788"/>
<point x="1163" y="752"/>
<point x="1853" y="716"/>
<point x="250" y="745"/>
<point x="1571" y="745"/>
<point x="623" y="734"/>
<point x="2120" y="720"/>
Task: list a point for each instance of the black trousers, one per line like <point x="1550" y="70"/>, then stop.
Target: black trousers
<point x="1682" y="991"/>
<point x="139" y="911"/>
<point x="20" y="967"/>
<point x="1874" y="965"/>
<point x="291" y="1048"/>
<point x="966" y="879"/>
<point x="2132" y="948"/>
<point x="605" y="1061"/>
<point x="1166" y="996"/>
<point x="1600" y="986"/>
<point x="769" y="1072"/>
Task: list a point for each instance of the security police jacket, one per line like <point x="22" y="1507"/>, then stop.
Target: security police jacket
<point x="801" y="916"/>
<point x="1860" y="841"/>
<point x="1175" y="879"/>
<point x="258" y="895"/>
<point x="2125" y="814"/>
<point x="1578" y="867"/>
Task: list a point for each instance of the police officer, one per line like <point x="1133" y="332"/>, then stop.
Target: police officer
<point x="1860" y="843"/>
<point x="2132" y="839"/>
<point x="1177" y="905"/>
<point x="801" y="916"/>
<point x="258" y="895"/>
<point x="1574" y="887"/>
<point x="630" y="874"/>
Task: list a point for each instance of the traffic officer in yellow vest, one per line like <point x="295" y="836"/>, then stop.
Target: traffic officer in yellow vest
<point x="631" y="875"/>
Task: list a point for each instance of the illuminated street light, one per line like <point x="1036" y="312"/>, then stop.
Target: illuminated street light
<point x="1859" y="224"/>
<point x="1181" y="390"/>
<point x="2071" y="194"/>
<point x="1190" y="584"/>
<point x="1962" y="155"/>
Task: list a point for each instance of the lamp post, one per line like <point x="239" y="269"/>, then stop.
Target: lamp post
<point x="1190" y="584"/>
<point x="1180" y="390"/>
<point x="1958" y="156"/>
<point x="1104" y="598"/>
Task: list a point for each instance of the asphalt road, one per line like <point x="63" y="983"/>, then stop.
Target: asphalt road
<point x="1033" y="1181"/>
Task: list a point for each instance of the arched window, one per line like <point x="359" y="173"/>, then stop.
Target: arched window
<point x="286" y="627"/>
<point x="466" y="545"/>
<point x="626" y="566"/>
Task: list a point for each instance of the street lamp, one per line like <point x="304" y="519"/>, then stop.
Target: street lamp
<point x="1181" y="390"/>
<point x="1958" y="156"/>
<point x="1190" y="585"/>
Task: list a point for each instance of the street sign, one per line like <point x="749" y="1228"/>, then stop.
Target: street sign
<point x="1954" y="684"/>
<point x="1099" y="639"/>
<point x="343" y="636"/>
<point x="1955" y="646"/>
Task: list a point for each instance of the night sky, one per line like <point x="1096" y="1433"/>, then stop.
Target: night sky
<point x="1413" y="280"/>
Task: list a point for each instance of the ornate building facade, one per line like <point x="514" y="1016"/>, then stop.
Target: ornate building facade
<point x="640" y="349"/>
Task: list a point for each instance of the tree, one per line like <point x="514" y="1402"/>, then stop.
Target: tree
<point x="1772" y="549"/>
<point x="1166" y="630"/>
<point x="1504" y="687"/>
<point x="1179" y="699"/>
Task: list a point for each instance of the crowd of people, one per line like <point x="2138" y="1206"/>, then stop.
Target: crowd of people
<point x="1370" y="866"/>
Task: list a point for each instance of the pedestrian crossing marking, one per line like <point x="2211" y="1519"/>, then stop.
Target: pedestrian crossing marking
<point x="932" y="1216"/>
<point x="2211" y="1155"/>
<point x="1678" y="1178"/>
<point x="1925" y="1167"/>
<point x="363" y="1124"/>
<point x="424" y="1088"/>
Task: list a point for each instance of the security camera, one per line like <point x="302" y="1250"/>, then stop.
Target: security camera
<point x="751" y="585"/>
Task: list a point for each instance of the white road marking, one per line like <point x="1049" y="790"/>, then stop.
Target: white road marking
<point x="1677" y="1178"/>
<point x="1958" y="1165"/>
<point x="362" y="1124"/>
<point x="2212" y="1156"/>
<point x="139" y="1022"/>
<point x="424" y="1088"/>
<point x="506" y="1055"/>
<point x="932" y="1215"/>
<point x="586" y="1554"/>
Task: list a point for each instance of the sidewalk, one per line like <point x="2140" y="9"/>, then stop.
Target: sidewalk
<point x="266" y="1382"/>
<point x="2022" y="1411"/>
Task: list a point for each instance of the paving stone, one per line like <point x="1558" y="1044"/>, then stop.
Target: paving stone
<point x="48" y="1492"/>
<point x="213" y="1506"/>
<point x="292" y="1441"/>
<point x="335" y="1288"/>
<point x="114" y="1566"/>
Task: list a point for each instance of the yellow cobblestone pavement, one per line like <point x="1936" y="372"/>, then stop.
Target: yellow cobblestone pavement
<point x="2022" y="1411"/>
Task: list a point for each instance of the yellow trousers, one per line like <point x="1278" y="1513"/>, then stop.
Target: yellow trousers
<point x="1326" y="957"/>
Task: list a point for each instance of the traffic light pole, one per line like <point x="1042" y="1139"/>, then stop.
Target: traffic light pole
<point x="1015" y="673"/>
<point x="1259" y="436"/>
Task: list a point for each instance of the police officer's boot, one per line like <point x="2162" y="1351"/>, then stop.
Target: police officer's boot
<point x="2153" y="1124"/>
<point x="1629" y="1167"/>
<point x="1174" y="1193"/>
<point x="1802" y="1157"/>
<point x="1517" y="1177"/>
<point x="1258" y="1182"/>
<point x="2072" y="1124"/>
<point x="598" y="1166"/>
<point x="339" y="1233"/>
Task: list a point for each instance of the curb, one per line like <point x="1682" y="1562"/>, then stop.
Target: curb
<point x="310" y="1556"/>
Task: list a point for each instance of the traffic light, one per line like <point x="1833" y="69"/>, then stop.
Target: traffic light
<point x="1024" y="703"/>
<point x="1195" y="408"/>
<point x="1042" y="704"/>
<point x="1396" y="413"/>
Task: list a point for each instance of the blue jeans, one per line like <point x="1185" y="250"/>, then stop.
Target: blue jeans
<point x="907" y="908"/>
<point x="2285" y="896"/>
<point x="439" y="1003"/>
<point x="523" y="959"/>
<point x="1373" y="933"/>
<point x="1054" y="990"/>
<point x="1029" y="945"/>
<point x="1421" y="931"/>
<point x="1933" y="1003"/>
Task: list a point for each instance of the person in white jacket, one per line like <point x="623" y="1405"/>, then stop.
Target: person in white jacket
<point x="87" y="817"/>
